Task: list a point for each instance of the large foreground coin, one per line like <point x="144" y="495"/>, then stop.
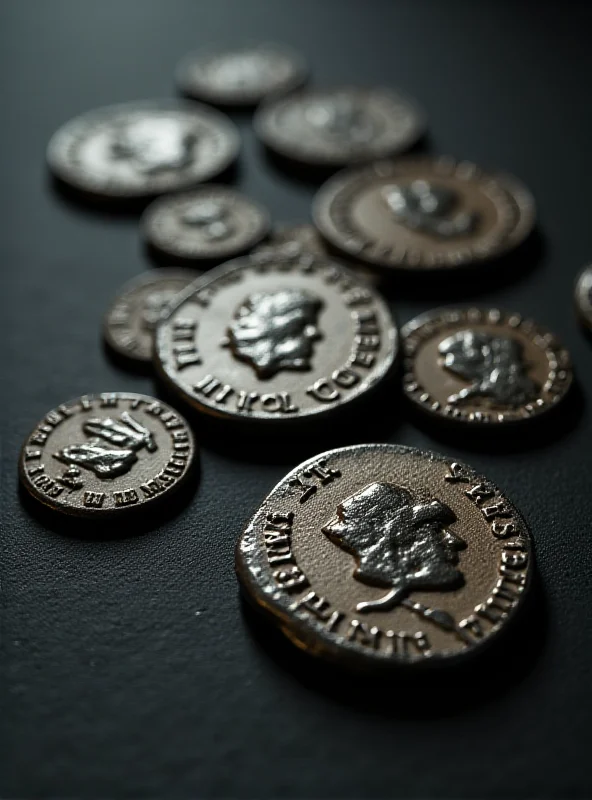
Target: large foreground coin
<point x="483" y="366"/>
<point x="384" y="555"/>
<point x="107" y="454"/>
<point x="276" y="340"/>
<point x="423" y="213"/>
<point x="141" y="149"/>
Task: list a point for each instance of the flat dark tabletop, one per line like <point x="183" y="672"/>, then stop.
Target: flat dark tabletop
<point x="131" y="668"/>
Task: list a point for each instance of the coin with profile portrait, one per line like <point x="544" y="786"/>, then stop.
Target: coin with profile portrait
<point x="276" y="338"/>
<point x="380" y="555"/>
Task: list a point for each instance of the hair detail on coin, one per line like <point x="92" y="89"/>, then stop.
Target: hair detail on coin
<point x="211" y="217"/>
<point x="153" y="145"/>
<point x="397" y="543"/>
<point x="341" y="116"/>
<point x="428" y="208"/>
<point x="494" y="364"/>
<point x="272" y="331"/>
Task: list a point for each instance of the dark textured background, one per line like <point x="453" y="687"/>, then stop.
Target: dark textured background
<point x="130" y="667"/>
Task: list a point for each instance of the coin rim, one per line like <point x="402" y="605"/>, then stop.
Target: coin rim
<point x="582" y="286"/>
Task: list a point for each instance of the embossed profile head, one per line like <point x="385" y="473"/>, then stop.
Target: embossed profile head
<point x="153" y="145"/>
<point x="494" y="365"/>
<point x="272" y="331"/>
<point x="397" y="543"/>
<point x="341" y="117"/>
<point x="154" y="306"/>
<point x="428" y="208"/>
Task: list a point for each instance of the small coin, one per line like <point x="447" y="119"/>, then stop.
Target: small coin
<point x="212" y="222"/>
<point x="106" y="454"/>
<point x="132" y="317"/>
<point x="385" y="555"/>
<point x="483" y="366"/>
<point x="276" y="340"/>
<point x="583" y="296"/>
<point x="141" y="149"/>
<point x="418" y="213"/>
<point x="241" y="76"/>
<point x="336" y="127"/>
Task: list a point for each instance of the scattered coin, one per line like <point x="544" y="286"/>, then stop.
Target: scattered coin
<point x="241" y="76"/>
<point x="384" y="555"/>
<point x="141" y="149"/>
<point x="583" y="295"/>
<point x="132" y="317"/>
<point x="336" y="127"/>
<point x="212" y="222"/>
<point x="418" y="213"/>
<point x="106" y="454"/>
<point x="279" y="339"/>
<point x="483" y="366"/>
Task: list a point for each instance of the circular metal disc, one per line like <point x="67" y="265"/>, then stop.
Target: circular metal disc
<point x="583" y="296"/>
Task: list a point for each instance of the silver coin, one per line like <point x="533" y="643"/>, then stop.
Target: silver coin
<point x="142" y="149"/>
<point x="212" y="222"/>
<point x="583" y="296"/>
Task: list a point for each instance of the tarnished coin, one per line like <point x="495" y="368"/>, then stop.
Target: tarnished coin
<point x="130" y="322"/>
<point x="385" y="555"/>
<point x="483" y="366"/>
<point x="418" y="213"/>
<point x="212" y="222"/>
<point x="336" y="127"/>
<point x="106" y="454"/>
<point x="141" y="149"/>
<point x="242" y="75"/>
<point x="276" y="340"/>
<point x="583" y="296"/>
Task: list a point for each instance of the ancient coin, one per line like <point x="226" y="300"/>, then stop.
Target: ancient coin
<point x="242" y="75"/>
<point x="132" y="317"/>
<point x="106" y="454"/>
<point x="583" y="296"/>
<point x="423" y="213"/>
<point x="212" y="222"/>
<point x="483" y="366"/>
<point x="276" y="340"/>
<point x="384" y="555"/>
<point x="336" y="127"/>
<point x="141" y="149"/>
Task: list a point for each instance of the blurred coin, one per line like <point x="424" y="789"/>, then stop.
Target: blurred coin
<point x="132" y="317"/>
<point x="141" y="149"/>
<point x="380" y="555"/>
<point x="242" y="75"/>
<point x="483" y="366"/>
<point x="583" y="296"/>
<point x="336" y="127"/>
<point x="212" y="222"/>
<point x="276" y="340"/>
<point x="107" y="454"/>
<point x="423" y="213"/>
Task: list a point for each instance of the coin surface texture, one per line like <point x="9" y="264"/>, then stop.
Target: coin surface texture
<point x="141" y="149"/>
<point x="419" y="213"/>
<point x="583" y="296"/>
<point x="242" y="75"/>
<point x="130" y="322"/>
<point x="483" y="366"/>
<point x="276" y="340"/>
<point x="106" y="454"/>
<point x="208" y="223"/>
<point x="382" y="554"/>
<point x="336" y="127"/>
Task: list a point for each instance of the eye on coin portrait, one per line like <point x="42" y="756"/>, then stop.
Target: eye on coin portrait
<point x="382" y="555"/>
<point x="583" y="296"/>
<point x="105" y="454"/>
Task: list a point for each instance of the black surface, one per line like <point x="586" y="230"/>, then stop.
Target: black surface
<point x="130" y="668"/>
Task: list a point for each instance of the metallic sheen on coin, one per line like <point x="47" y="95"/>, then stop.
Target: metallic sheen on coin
<point x="106" y="454"/>
<point x="423" y="213"/>
<point x="130" y="322"/>
<point x="583" y="296"/>
<point x="212" y="222"/>
<point x="483" y="366"/>
<point x="136" y="150"/>
<point x="276" y="340"/>
<point x="381" y="555"/>
<point x="336" y="127"/>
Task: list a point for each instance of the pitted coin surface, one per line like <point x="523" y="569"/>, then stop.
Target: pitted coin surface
<point x="212" y="222"/>
<point x="384" y="555"/>
<point x="483" y="366"/>
<point x="423" y="213"/>
<point x="107" y="454"/>
<point x="336" y="127"/>
<point x="130" y="322"/>
<point x="242" y="75"/>
<point x="276" y="340"/>
<point x="136" y="150"/>
<point x="583" y="296"/>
